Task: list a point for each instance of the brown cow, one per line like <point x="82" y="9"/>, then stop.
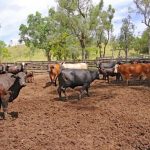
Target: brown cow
<point x="54" y="71"/>
<point x="134" y="70"/>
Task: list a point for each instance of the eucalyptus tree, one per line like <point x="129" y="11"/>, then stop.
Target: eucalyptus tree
<point x="97" y="25"/>
<point x="103" y="25"/>
<point x="41" y="32"/>
<point x="108" y="26"/>
<point x="143" y="7"/>
<point x="75" y="15"/>
<point x="126" y="35"/>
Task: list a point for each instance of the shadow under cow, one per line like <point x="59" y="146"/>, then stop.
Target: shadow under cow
<point x="13" y="115"/>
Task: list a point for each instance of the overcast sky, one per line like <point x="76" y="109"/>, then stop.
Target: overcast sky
<point x="13" y="13"/>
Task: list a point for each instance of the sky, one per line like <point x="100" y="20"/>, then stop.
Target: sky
<point x="13" y="13"/>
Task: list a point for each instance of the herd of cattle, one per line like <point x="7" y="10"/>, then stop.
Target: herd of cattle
<point x="73" y="75"/>
<point x="13" y="78"/>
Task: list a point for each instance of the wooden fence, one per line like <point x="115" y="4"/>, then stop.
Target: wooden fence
<point x="41" y="66"/>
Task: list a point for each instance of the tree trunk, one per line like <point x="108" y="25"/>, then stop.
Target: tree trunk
<point x="83" y="49"/>
<point x="100" y="49"/>
<point x="48" y="55"/>
<point x="126" y="53"/>
<point x="105" y="49"/>
<point x="112" y="53"/>
<point x="149" y="42"/>
<point x="119" y="53"/>
<point x="106" y="43"/>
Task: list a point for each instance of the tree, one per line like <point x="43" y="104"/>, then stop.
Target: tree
<point x="76" y="18"/>
<point x="143" y="7"/>
<point x="3" y="51"/>
<point x="126" y="35"/>
<point x="102" y="24"/>
<point x="107" y="22"/>
<point x="97" y="24"/>
<point x="140" y="43"/>
<point x="41" y="32"/>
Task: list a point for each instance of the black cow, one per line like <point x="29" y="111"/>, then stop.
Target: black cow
<point x="76" y="77"/>
<point x="107" y="69"/>
<point x="16" y="68"/>
<point x="10" y="86"/>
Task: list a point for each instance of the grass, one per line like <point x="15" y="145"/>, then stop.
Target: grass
<point x="23" y="53"/>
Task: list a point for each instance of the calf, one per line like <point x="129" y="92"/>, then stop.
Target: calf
<point x="10" y="86"/>
<point x="76" y="77"/>
<point x="29" y="77"/>
<point x="107" y="69"/>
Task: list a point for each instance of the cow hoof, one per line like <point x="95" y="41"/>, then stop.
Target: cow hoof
<point x="5" y="116"/>
<point x="79" y="97"/>
<point x="88" y="95"/>
<point x="66" y="98"/>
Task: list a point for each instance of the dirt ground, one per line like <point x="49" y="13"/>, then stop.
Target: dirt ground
<point x="114" y="117"/>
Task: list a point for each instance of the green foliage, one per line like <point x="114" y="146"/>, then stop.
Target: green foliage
<point x="141" y="43"/>
<point x="75" y="30"/>
<point x="143" y="7"/>
<point x="3" y="51"/>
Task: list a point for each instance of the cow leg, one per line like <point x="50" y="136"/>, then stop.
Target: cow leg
<point x="60" y="89"/>
<point x="56" y="81"/>
<point x="107" y="78"/>
<point x="64" y="91"/>
<point x="4" y="103"/>
<point x="84" y="87"/>
<point x="118" y="76"/>
<point x="87" y="90"/>
<point x="59" y="92"/>
<point x="0" y="104"/>
<point x="51" y="79"/>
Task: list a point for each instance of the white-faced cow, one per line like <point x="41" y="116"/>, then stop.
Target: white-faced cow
<point x="10" y="86"/>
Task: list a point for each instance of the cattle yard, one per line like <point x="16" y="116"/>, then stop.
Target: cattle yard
<point x="115" y="116"/>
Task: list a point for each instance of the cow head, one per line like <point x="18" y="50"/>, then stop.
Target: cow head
<point x="21" y="77"/>
<point x="116" y="68"/>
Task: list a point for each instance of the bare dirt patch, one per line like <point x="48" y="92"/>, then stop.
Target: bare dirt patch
<point x="113" y="117"/>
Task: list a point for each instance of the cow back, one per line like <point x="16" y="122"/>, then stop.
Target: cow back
<point x="74" y="66"/>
